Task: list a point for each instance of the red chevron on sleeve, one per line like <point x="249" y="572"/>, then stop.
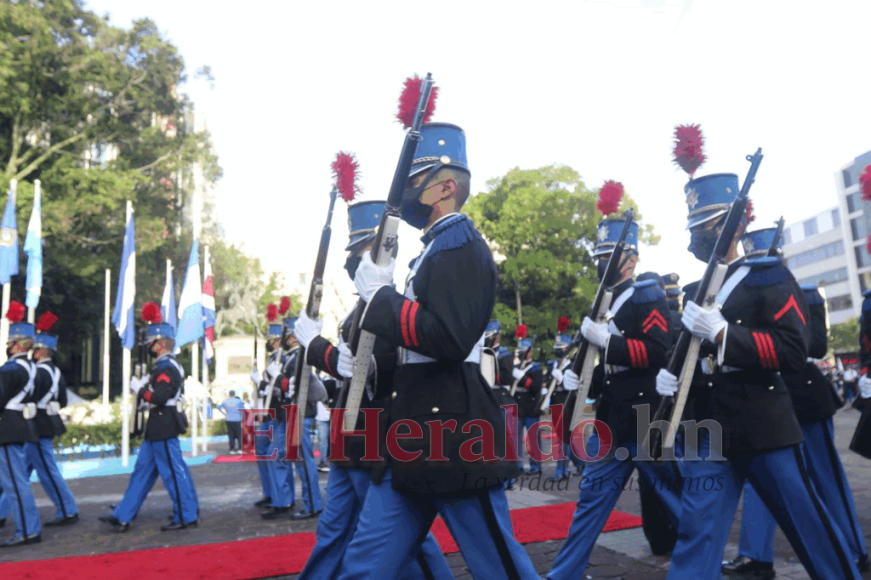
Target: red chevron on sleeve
<point x="791" y="303"/>
<point x="163" y="378"/>
<point x="654" y="319"/>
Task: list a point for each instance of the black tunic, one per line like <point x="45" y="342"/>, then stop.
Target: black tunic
<point x="528" y="392"/>
<point x="48" y="425"/>
<point x="14" y="379"/>
<point x="164" y="387"/>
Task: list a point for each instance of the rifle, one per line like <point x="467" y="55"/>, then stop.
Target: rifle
<point x="137" y="426"/>
<point x="585" y="359"/>
<point x="552" y="386"/>
<point x="772" y="250"/>
<point x="682" y="362"/>
<point x="360" y="341"/>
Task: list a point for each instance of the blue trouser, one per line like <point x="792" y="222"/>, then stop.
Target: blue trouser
<point x="601" y="486"/>
<point x="16" y="487"/>
<point x="781" y="478"/>
<point x="562" y="465"/>
<point x="345" y="496"/>
<point x="392" y="525"/>
<point x="280" y="472"/>
<point x="324" y="439"/>
<point x="162" y="458"/>
<point x="5" y="505"/>
<point x="40" y="456"/>
<point x="308" y="472"/>
<point x="524" y="424"/>
<point x="261" y="447"/>
<point x="830" y="482"/>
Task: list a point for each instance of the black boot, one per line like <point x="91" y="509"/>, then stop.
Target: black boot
<point x="179" y="526"/>
<point x="863" y="563"/>
<point x="744" y="567"/>
<point x="305" y="514"/>
<point x="21" y="540"/>
<point x="263" y="502"/>
<point x="119" y="526"/>
<point x="274" y="512"/>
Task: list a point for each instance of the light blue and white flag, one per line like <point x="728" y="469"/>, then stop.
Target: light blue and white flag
<point x="124" y="316"/>
<point x="9" y="239"/>
<point x="33" y="249"/>
<point x="190" y="306"/>
<point x="167" y="305"/>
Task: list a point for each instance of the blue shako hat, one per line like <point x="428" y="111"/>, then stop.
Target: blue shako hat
<point x="274" y="331"/>
<point x="524" y="344"/>
<point x="608" y="232"/>
<point x="562" y="341"/>
<point x="710" y="197"/>
<point x="363" y="220"/>
<point x="672" y="288"/>
<point x="493" y="327"/>
<point x="18" y="330"/>
<point x="440" y="144"/>
<point x="156" y="328"/>
<point x="289" y="324"/>
<point x="42" y="339"/>
<point x="758" y="242"/>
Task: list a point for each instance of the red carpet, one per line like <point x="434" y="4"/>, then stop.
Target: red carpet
<point x="238" y="560"/>
<point x="243" y="458"/>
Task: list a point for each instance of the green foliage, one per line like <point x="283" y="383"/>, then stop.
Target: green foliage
<point x="844" y="337"/>
<point x="541" y="226"/>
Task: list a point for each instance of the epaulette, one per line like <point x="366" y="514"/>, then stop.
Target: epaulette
<point x="646" y="292"/>
<point x="764" y="271"/>
<point x="812" y="295"/>
<point x="455" y="232"/>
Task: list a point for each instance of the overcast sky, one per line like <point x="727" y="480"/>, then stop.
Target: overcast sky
<point x="598" y="86"/>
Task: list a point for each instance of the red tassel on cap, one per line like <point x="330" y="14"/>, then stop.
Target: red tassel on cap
<point x="16" y="311"/>
<point x="345" y="171"/>
<point x="748" y="212"/>
<point x="285" y="305"/>
<point x="151" y="313"/>
<point x="563" y="323"/>
<point x="688" y="153"/>
<point x="45" y="322"/>
<point x="521" y="331"/>
<point x="271" y="312"/>
<point x="408" y="102"/>
<point x="609" y="197"/>
<point x="865" y="180"/>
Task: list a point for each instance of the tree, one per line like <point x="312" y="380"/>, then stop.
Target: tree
<point x="844" y="337"/>
<point x="541" y="226"/>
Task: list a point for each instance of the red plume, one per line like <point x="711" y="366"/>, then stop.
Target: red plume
<point x="688" y="153"/>
<point x="748" y="212"/>
<point x="868" y="247"/>
<point x="285" y="305"/>
<point x="563" y="323"/>
<point x="15" y="312"/>
<point x="271" y="312"/>
<point x="865" y="180"/>
<point x="151" y="313"/>
<point x="521" y="331"/>
<point x="45" y="322"/>
<point x="609" y="197"/>
<point x="345" y="171"/>
<point x="408" y="102"/>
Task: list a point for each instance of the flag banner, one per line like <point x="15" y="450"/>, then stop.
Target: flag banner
<point x="167" y="305"/>
<point x="190" y="307"/>
<point x="9" y="240"/>
<point x="208" y="308"/>
<point x="123" y="316"/>
<point x="33" y="249"/>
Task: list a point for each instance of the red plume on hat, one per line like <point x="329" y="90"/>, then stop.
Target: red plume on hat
<point x="609" y="197"/>
<point x="688" y="153"/>
<point x="868" y="247"/>
<point x="865" y="180"/>
<point x="563" y="324"/>
<point x="284" y="305"/>
<point x="271" y="312"/>
<point x="345" y="171"/>
<point x="748" y="212"/>
<point x="15" y="313"/>
<point x="521" y="331"/>
<point x="45" y="322"/>
<point x="151" y="313"/>
<point x="408" y="102"/>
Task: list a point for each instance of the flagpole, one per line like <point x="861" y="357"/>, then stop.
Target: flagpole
<point x="7" y="293"/>
<point x="106" y="338"/>
<point x="205" y="369"/>
<point x="31" y="312"/>
<point x="195" y="375"/>
<point x="125" y="384"/>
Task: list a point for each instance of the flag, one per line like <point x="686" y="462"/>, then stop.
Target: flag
<point x="208" y="308"/>
<point x="167" y="305"/>
<point x="123" y="316"/>
<point x="33" y="249"/>
<point x="9" y="240"/>
<point x="190" y="307"/>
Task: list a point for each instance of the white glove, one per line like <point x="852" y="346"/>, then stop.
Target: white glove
<point x="307" y="329"/>
<point x="543" y="390"/>
<point x="596" y="333"/>
<point x="666" y="383"/>
<point x="273" y="369"/>
<point x="369" y="277"/>
<point x="865" y="387"/>
<point x="558" y="375"/>
<point x="346" y="361"/>
<point x="571" y="381"/>
<point x="291" y="387"/>
<point x="135" y="385"/>
<point x="517" y="374"/>
<point x="255" y="376"/>
<point x="702" y="322"/>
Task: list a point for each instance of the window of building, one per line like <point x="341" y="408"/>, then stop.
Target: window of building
<point x="810" y="228"/>
<point x="865" y="281"/>
<point x="840" y="303"/>
<point x="847" y="180"/>
<point x="836" y="217"/>
<point x="862" y="257"/>
<point x="857" y="227"/>
<point x="854" y="202"/>
<point x="787" y="238"/>
<point x="816" y="255"/>
<point x="826" y="278"/>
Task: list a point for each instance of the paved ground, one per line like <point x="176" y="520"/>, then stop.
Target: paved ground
<point x="227" y="492"/>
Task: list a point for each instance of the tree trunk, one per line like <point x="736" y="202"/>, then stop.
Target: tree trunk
<point x="519" y="305"/>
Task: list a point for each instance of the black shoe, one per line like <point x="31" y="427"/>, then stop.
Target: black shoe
<point x="119" y="526"/>
<point x="266" y="501"/>
<point x="2" y="522"/>
<point x="744" y="567"/>
<point x="864" y="564"/>
<point x="323" y="468"/>
<point x="174" y="526"/>
<point x="305" y="514"/>
<point x="21" y="540"/>
<point x="63" y="521"/>
<point x="274" y="512"/>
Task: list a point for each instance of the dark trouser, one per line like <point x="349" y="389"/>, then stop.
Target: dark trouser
<point x="234" y="433"/>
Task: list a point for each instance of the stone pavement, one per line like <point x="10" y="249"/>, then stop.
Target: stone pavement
<point x="228" y="490"/>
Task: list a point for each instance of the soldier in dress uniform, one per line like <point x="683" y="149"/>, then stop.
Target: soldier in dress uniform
<point x="634" y="345"/>
<point x="439" y="324"/>
<point x="528" y="378"/>
<point x="349" y="480"/>
<point x="160" y="453"/>
<point x="673" y="294"/>
<point x="17" y="428"/>
<point x="50" y="394"/>
<point x="758" y="330"/>
<point x="503" y="365"/>
<point x="815" y="403"/>
<point x="561" y="346"/>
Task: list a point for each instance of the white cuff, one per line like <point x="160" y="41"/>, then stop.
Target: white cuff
<point x="721" y="350"/>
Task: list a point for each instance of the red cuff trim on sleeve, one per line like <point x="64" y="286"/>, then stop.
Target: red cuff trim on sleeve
<point x="327" y="359"/>
<point x="775" y="364"/>
<point x="638" y="353"/>
<point x="147" y="395"/>
<point x="528" y="382"/>
<point x="412" y="323"/>
<point x="642" y="350"/>
<point x="633" y="360"/>
<point x="403" y="321"/>
<point x="285" y="383"/>
<point x="765" y="348"/>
